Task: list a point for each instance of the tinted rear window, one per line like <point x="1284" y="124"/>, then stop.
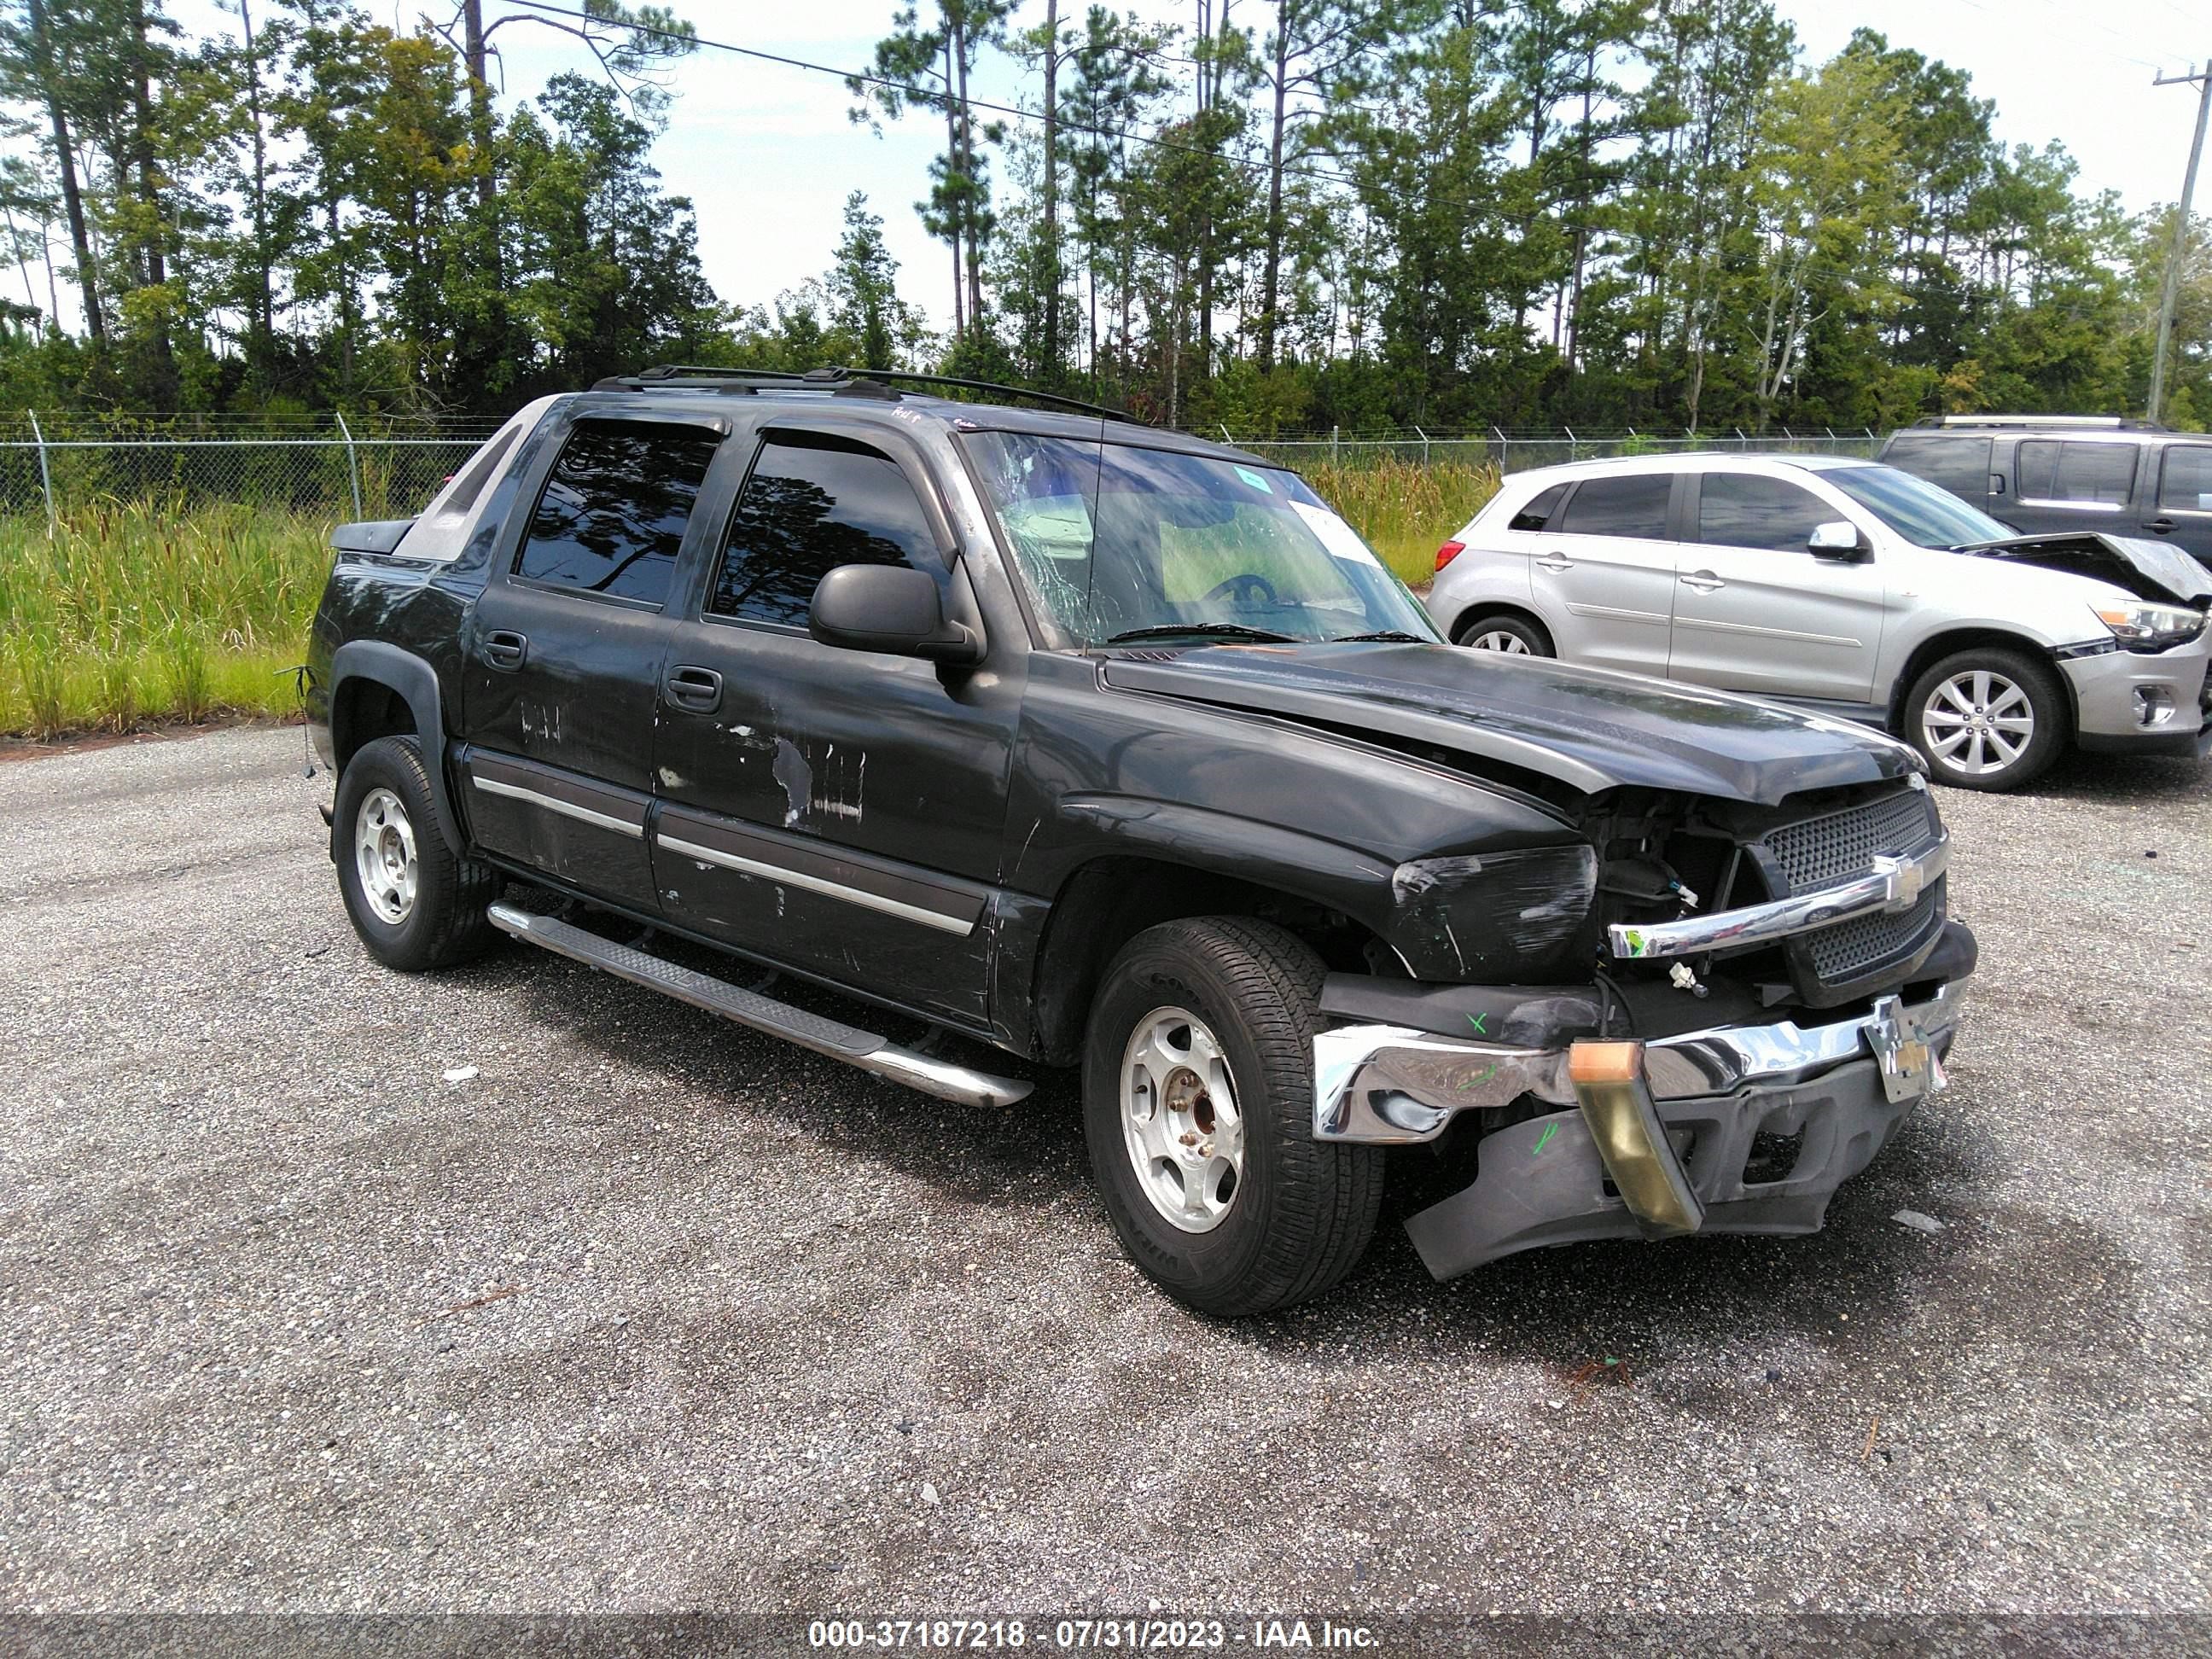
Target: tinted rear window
<point x="613" y="514"/>
<point x="1538" y="511"/>
<point x="1960" y="464"/>
<point x="2048" y="470"/>
<point x="2185" y="485"/>
<point x="1635" y="504"/>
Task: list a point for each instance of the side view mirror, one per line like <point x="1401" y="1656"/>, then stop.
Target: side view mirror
<point x="1838" y="540"/>
<point x="891" y="608"/>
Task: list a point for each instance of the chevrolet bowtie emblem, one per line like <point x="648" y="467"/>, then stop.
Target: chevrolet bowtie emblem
<point x="1906" y="880"/>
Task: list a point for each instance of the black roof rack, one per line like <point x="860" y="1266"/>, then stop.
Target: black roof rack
<point x="699" y="377"/>
<point x="1052" y="400"/>
<point x="838" y="382"/>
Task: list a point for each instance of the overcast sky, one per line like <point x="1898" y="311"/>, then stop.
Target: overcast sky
<point x="768" y="153"/>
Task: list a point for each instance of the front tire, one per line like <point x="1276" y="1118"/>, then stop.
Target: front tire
<point x="1198" y="1110"/>
<point x="1987" y="719"/>
<point x="1503" y="632"/>
<point x="416" y="902"/>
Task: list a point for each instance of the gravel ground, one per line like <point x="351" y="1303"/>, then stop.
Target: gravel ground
<point x="650" y="1313"/>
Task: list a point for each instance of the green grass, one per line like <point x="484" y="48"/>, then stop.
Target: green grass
<point x="1404" y="509"/>
<point x="137" y="611"/>
<point x="142" y="610"/>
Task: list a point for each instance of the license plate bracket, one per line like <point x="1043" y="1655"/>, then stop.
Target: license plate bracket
<point x="1909" y="1067"/>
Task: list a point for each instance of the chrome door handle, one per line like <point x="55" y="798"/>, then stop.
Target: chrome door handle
<point x="1555" y="562"/>
<point x="1704" y="580"/>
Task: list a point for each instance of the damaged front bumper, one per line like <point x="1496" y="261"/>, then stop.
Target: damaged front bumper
<point x="1747" y="1128"/>
<point x="2143" y="704"/>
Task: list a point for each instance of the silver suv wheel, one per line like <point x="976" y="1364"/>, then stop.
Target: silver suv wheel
<point x="1179" y="1121"/>
<point x="1496" y="639"/>
<point x="1977" y="722"/>
<point x="384" y="854"/>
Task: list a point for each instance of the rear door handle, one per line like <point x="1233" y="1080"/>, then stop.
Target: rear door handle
<point x="2164" y="526"/>
<point x="1555" y="562"/>
<point x="504" y="650"/>
<point x="1704" y="580"/>
<point x="699" y="690"/>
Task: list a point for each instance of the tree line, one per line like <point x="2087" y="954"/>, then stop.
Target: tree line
<point x="314" y="210"/>
<point x="1269" y="215"/>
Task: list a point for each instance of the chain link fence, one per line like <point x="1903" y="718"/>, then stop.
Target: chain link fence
<point x="374" y="467"/>
<point x="351" y="467"/>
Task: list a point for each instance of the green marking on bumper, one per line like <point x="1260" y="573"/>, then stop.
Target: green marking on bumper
<point x="1544" y="1139"/>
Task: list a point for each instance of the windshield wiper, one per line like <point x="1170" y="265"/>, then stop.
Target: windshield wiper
<point x="1394" y="635"/>
<point x="1203" y="630"/>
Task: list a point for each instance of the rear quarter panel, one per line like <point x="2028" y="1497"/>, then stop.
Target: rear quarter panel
<point x="1491" y="569"/>
<point x="421" y="609"/>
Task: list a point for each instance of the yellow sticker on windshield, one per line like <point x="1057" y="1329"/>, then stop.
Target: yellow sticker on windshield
<point x="1254" y="480"/>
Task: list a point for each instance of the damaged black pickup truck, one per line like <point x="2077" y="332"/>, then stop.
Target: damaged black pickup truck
<point x="1111" y="748"/>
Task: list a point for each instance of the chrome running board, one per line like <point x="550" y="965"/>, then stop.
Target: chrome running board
<point x="864" y="1050"/>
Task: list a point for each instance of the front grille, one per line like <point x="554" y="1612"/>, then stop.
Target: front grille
<point x="1813" y="853"/>
<point x="1816" y="851"/>
<point x="1843" y="952"/>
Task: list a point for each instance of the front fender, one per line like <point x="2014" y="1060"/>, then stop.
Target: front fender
<point x="1222" y="844"/>
<point x="1503" y="914"/>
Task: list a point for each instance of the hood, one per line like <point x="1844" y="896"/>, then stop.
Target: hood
<point x="2149" y="570"/>
<point x="1588" y="727"/>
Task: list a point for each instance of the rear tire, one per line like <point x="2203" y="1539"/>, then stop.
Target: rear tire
<point x="416" y="902"/>
<point x="1198" y="1110"/>
<point x="1987" y="719"/>
<point x="1503" y="632"/>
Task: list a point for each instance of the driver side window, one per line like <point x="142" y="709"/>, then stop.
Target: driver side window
<point x="813" y="502"/>
<point x="1741" y="509"/>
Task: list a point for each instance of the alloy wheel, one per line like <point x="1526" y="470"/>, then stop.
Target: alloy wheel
<point x="1180" y="1119"/>
<point x="384" y="855"/>
<point x="1978" y="722"/>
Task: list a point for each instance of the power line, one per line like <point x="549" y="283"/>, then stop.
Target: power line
<point x="942" y="100"/>
<point x="2073" y="15"/>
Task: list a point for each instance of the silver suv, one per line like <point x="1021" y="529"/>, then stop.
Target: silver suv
<point x="1849" y="588"/>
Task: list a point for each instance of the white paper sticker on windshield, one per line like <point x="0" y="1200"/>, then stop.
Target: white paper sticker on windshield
<point x="1338" y="536"/>
<point x="1254" y="480"/>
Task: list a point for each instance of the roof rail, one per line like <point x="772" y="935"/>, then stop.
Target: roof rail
<point x="698" y="377"/>
<point x="841" y="381"/>
<point x="2076" y="423"/>
<point x="1052" y="399"/>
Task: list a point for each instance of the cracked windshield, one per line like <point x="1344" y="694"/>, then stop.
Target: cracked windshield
<point x="1120" y="545"/>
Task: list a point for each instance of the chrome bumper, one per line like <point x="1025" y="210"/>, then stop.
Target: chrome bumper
<point x="1893" y="884"/>
<point x="1661" y="1138"/>
<point x="1392" y="1085"/>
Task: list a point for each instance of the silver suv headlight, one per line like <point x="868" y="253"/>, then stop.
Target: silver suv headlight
<point x="2141" y="627"/>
